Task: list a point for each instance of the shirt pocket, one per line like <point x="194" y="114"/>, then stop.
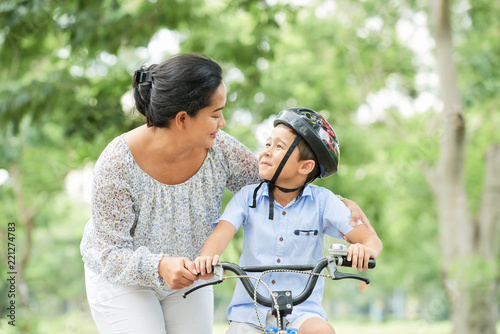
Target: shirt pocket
<point x="304" y="240"/>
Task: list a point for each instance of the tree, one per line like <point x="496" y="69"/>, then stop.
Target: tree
<point x="66" y="66"/>
<point x="469" y="245"/>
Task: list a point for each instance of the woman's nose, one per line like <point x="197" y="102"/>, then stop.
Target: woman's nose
<point x="222" y="121"/>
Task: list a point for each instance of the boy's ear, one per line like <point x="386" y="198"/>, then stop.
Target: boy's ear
<point x="306" y="166"/>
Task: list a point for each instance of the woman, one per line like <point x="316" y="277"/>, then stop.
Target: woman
<point x="156" y="191"/>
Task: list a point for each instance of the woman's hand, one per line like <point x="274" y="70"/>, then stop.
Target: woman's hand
<point x="360" y="254"/>
<point x="204" y="265"/>
<point x="357" y="214"/>
<point x="177" y="272"/>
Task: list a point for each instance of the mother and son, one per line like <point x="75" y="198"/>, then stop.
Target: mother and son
<point x="157" y="195"/>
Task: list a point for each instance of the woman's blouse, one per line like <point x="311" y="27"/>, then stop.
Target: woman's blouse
<point x="137" y="220"/>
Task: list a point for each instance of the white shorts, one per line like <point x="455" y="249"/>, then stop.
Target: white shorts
<point x="118" y="308"/>
<point x="236" y="327"/>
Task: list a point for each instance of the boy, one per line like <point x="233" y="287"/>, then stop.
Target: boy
<point x="302" y="146"/>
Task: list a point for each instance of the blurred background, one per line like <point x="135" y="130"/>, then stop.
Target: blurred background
<point x="411" y="88"/>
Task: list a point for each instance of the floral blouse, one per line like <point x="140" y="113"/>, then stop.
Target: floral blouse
<point x="137" y="220"/>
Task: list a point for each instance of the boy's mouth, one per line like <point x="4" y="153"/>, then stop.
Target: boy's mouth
<point x="263" y="163"/>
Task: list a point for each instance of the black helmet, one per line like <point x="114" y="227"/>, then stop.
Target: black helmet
<point x="316" y="131"/>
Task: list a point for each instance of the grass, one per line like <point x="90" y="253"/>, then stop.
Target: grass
<point x="393" y="327"/>
<point x="82" y="323"/>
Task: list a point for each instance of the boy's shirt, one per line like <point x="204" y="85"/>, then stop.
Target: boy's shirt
<point x="295" y="236"/>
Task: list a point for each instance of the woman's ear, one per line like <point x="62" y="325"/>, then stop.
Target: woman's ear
<point x="181" y="119"/>
<point x="306" y="166"/>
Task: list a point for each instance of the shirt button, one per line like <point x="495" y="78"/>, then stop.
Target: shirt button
<point x="281" y="239"/>
<point x="283" y="213"/>
<point x="278" y="260"/>
<point x="273" y="281"/>
<point x="308" y="233"/>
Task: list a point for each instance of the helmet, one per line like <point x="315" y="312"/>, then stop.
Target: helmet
<point x="316" y="131"/>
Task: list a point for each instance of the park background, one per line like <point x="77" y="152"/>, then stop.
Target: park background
<point x="411" y="88"/>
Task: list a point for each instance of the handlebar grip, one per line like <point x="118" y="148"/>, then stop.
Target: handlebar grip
<point x="371" y="263"/>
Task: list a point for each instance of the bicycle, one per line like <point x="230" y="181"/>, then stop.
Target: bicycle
<point x="282" y="302"/>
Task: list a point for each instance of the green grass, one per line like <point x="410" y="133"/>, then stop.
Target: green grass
<point x="82" y="323"/>
<point x="350" y="327"/>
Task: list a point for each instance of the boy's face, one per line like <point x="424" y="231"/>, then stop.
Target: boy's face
<point x="277" y="145"/>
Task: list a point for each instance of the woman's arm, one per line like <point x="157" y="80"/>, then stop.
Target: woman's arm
<point x="357" y="214"/>
<point x="365" y="245"/>
<point x="214" y="247"/>
<point x="108" y="243"/>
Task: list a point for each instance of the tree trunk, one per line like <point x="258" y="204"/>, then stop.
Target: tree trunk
<point x="464" y="244"/>
<point x="485" y="300"/>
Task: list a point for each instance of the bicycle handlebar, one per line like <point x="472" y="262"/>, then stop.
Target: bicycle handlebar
<point x="330" y="263"/>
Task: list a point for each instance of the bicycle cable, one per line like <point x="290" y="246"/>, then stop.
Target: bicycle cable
<point x="259" y="280"/>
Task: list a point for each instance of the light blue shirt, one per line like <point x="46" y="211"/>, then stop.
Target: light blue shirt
<point x="294" y="237"/>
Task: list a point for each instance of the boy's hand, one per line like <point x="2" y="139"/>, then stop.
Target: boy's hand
<point x="204" y="265"/>
<point x="359" y="254"/>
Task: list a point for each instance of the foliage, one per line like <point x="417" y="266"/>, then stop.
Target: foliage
<point x="67" y="66"/>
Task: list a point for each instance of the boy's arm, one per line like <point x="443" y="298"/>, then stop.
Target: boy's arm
<point x="214" y="247"/>
<point x="365" y="245"/>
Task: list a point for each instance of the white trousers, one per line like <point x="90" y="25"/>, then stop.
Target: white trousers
<point x="118" y="308"/>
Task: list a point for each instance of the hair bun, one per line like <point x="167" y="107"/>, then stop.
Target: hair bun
<point x="142" y="84"/>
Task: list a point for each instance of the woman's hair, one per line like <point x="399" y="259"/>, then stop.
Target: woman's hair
<point x="305" y="153"/>
<point x="185" y="82"/>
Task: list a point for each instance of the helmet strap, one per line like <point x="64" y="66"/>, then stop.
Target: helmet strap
<point x="272" y="184"/>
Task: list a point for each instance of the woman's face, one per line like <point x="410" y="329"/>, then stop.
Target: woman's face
<point x="205" y="125"/>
